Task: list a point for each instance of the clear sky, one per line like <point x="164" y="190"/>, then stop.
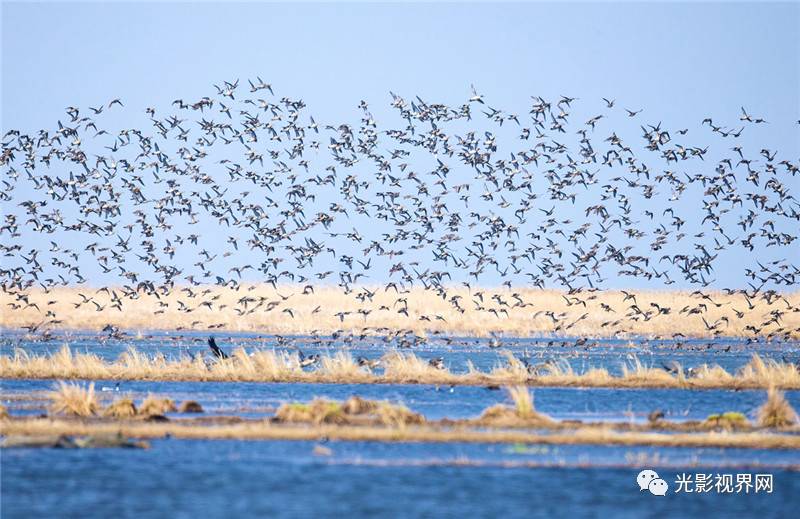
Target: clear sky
<point x="680" y="62"/>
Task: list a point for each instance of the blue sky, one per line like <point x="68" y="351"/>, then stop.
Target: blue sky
<point x="680" y="62"/>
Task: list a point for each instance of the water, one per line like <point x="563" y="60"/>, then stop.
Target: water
<point x="252" y="399"/>
<point x="216" y="478"/>
<point x="284" y="479"/>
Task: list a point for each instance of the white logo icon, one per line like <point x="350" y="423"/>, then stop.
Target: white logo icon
<point x="649" y="480"/>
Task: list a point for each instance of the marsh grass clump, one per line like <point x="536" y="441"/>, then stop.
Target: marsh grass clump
<point x="317" y="411"/>
<point x="273" y="365"/>
<point x="155" y="406"/>
<point x="635" y="371"/>
<point x="522" y="413"/>
<point x="513" y="369"/>
<point x="729" y="420"/>
<point x="385" y="413"/>
<point x="776" y="411"/>
<point x="715" y="375"/>
<point x="407" y="367"/>
<point x="770" y="372"/>
<point x="3" y="412"/>
<point x="120" y="408"/>
<point x="341" y="366"/>
<point x="356" y="405"/>
<point x="134" y="361"/>
<point x="73" y="400"/>
<point x="190" y="406"/>
<point x="354" y="411"/>
<point x="395" y="415"/>
<point x="523" y="401"/>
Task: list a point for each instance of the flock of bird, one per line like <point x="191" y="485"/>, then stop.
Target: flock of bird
<point x="245" y="186"/>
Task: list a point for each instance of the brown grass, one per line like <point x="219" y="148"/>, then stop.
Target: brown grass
<point x="156" y="406"/>
<point x="190" y="406"/>
<point x="408" y="368"/>
<point x="264" y="430"/>
<point x="776" y="411"/>
<point x="400" y="368"/>
<point x="3" y="412"/>
<point x="522" y="414"/>
<point x="354" y="411"/>
<point x="727" y="421"/>
<point x="423" y="308"/>
<point x="73" y="400"/>
<point x="120" y="408"/>
<point x="318" y="411"/>
<point x="341" y="366"/>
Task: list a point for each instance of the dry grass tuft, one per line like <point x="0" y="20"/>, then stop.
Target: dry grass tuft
<point x="3" y="412"/>
<point x="728" y="421"/>
<point x="767" y="373"/>
<point x="512" y="370"/>
<point x="523" y="400"/>
<point x="155" y="406"/>
<point x="120" y="408"/>
<point x="636" y="372"/>
<point x="394" y="415"/>
<point x="407" y="367"/>
<point x="73" y="400"/>
<point x="354" y="411"/>
<point x="776" y="411"/>
<point x="713" y="376"/>
<point x="318" y="411"/>
<point x="357" y="405"/>
<point x="522" y="414"/>
<point x="341" y="367"/>
<point x="270" y="364"/>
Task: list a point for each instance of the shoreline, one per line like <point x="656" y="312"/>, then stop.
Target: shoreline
<point x="263" y="430"/>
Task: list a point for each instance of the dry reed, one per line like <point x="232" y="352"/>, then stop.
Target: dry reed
<point x="776" y="411"/>
<point x="522" y="414"/>
<point x="156" y="406"/>
<point x="399" y="368"/>
<point x="73" y="400"/>
<point x="340" y="311"/>
<point x="120" y="408"/>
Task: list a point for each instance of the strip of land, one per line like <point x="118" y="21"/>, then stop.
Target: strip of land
<point x="456" y="311"/>
<point x="397" y="368"/>
<point x="265" y="430"/>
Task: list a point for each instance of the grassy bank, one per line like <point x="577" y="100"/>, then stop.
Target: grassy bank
<point x="264" y="430"/>
<point x="397" y="368"/>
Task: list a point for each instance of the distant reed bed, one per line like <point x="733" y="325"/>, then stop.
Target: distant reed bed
<point x="396" y="368"/>
<point x="293" y="309"/>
